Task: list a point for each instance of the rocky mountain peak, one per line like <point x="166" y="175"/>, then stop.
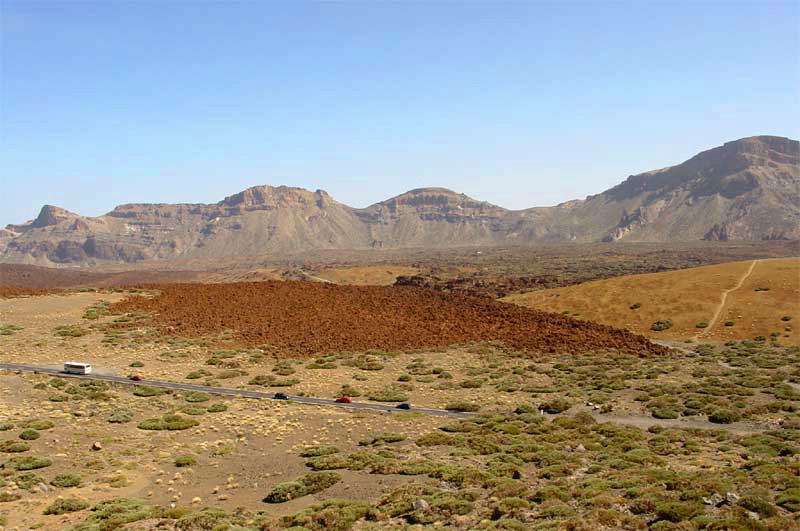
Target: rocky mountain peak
<point x="51" y="215"/>
<point x="275" y="197"/>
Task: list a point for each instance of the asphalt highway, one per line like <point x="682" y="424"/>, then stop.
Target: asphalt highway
<point x="233" y="392"/>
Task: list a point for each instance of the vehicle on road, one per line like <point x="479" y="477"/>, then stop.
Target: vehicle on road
<point x="74" y="367"/>
<point x="135" y="377"/>
<point x="344" y="400"/>
<point x="281" y="396"/>
<point x="404" y="405"/>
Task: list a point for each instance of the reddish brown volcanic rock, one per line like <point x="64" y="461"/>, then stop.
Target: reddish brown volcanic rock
<point x="306" y="318"/>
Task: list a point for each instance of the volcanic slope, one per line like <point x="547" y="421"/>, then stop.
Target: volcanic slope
<point x="761" y="301"/>
<point x="307" y="318"/>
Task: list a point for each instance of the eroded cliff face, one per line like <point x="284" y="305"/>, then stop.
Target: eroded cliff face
<point x="747" y="189"/>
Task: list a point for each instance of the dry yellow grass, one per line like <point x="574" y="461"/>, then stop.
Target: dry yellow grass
<point x="688" y="297"/>
<point x="383" y="275"/>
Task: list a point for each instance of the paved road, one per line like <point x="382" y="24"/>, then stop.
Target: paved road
<point x="231" y="392"/>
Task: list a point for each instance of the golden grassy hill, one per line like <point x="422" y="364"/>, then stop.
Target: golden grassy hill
<point x="383" y="275"/>
<point x="689" y="297"/>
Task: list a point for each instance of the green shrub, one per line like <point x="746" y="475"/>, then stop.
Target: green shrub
<point x="790" y="500"/>
<point x="14" y="447"/>
<point x="347" y="390"/>
<point x="308" y="484"/>
<point x="120" y="416"/>
<point x="38" y="424"/>
<point x="185" y="460"/>
<point x="664" y="413"/>
<point x="66" y="505"/>
<point x="217" y="407"/>
<point x="168" y="422"/>
<point x="701" y="324"/>
<point x="6" y="497"/>
<point x="556" y="405"/>
<point x="29" y="435"/>
<point x="5" y="426"/>
<point x="30" y="462"/>
<point x="389" y="394"/>
<point x="635" y="306"/>
<point x="112" y="514"/>
<point x="193" y="410"/>
<point x="462" y="406"/>
<point x="330" y="515"/>
<point x="316" y="451"/>
<point x="786" y="318"/>
<point x="147" y="391"/>
<point x="661" y="325"/>
<point x="730" y="323"/>
<point x="66" y="480"/>
<point x="677" y="511"/>
<point x="383" y="438"/>
<point x="723" y="416"/>
<point x="69" y="331"/>
<point x="196" y="396"/>
<point x="758" y="505"/>
<point x="136" y="365"/>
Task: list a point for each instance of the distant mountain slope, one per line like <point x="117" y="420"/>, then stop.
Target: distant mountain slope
<point x="748" y="189"/>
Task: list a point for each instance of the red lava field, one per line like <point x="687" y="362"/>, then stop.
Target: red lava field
<point x="308" y="318"/>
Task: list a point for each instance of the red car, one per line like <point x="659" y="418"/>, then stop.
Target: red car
<point x="344" y="400"/>
<point x="135" y="377"/>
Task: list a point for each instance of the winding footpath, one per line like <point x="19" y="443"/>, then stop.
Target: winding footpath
<point x="721" y="305"/>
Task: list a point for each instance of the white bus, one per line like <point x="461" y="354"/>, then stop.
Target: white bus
<point x="73" y="367"/>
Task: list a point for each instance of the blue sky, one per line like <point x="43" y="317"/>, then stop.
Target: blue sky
<point x="518" y="103"/>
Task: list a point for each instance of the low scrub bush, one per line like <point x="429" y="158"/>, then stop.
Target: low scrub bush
<point x="389" y="394"/>
<point x="148" y="391"/>
<point x="661" y="325"/>
<point x="556" y="405"/>
<point x="168" y="422"/>
<point x="185" y="460"/>
<point x="38" y="424"/>
<point x="66" y="481"/>
<point x="29" y="435"/>
<point x="120" y="416"/>
<point x="316" y="451"/>
<point x="30" y="462"/>
<point x="66" y="505"/>
<point x="14" y="447"/>
<point x="723" y="416"/>
<point x="462" y="406"/>
<point x="308" y="484"/>
<point x="196" y="396"/>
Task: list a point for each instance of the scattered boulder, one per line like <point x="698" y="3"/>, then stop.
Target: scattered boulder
<point x="420" y="505"/>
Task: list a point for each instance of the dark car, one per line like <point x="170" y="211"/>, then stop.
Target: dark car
<point x="281" y="396"/>
<point x="135" y="377"/>
<point x="404" y="405"/>
<point x="344" y="400"/>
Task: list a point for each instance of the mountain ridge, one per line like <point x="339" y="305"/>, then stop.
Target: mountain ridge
<point x="747" y="189"/>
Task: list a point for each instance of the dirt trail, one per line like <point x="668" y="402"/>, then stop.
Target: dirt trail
<point x="721" y="305"/>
